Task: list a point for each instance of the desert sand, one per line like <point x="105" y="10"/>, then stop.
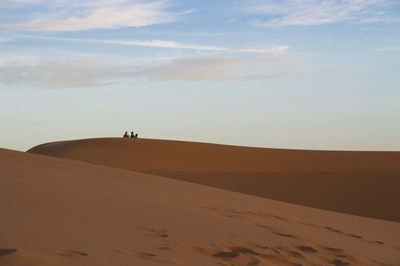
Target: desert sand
<point x="360" y="183"/>
<point x="56" y="211"/>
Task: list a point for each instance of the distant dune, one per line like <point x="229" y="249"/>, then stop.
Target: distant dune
<point x="354" y="182"/>
<point x="68" y="213"/>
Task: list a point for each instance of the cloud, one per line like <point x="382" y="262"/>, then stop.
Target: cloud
<point x="226" y="68"/>
<point x="388" y="49"/>
<point x="343" y="70"/>
<point x="276" y="75"/>
<point x="315" y="12"/>
<point x="99" y="72"/>
<point x="196" y="69"/>
<point x="3" y="40"/>
<point x="79" y="73"/>
<point x="73" y="15"/>
<point x="380" y="19"/>
<point x="170" y="44"/>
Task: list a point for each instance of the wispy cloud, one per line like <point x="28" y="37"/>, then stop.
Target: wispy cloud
<point x="316" y="12"/>
<point x="228" y="68"/>
<point x="3" y="40"/>
<point x="82" y="73"/>
<point x="380" y="19"/>
<point x="97" y="72"/>
<point x="197" y="69"/>
<point x="343" y="70"/>
<point x="74" y="15"/>
<point x="388" y="49"/>
<point x="171" y="44"/>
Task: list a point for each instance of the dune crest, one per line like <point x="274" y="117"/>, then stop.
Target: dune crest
<point x="354" y="182"/>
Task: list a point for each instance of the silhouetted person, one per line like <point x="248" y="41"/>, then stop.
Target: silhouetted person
<point x="132" y="135"/>
<point x="126" y="134"/>
<point x="136" y="136"/>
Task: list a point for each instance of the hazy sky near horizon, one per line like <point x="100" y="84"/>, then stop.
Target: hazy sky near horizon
<point x="307" y="74"/>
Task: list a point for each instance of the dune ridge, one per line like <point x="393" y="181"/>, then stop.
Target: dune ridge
<point x="62" y="212"/>
<point x="354" y="182"/>
<point x="168" y="155"/>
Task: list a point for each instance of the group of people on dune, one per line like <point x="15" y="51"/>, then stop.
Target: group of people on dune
<point x="133" y="136"/>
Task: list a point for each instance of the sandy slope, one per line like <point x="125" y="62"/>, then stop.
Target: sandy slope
<point x="360" y="183"/>
<point x="61" y="212"/>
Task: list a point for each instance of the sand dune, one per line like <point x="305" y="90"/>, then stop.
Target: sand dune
<point x="360" y="183"/>
<point x="62" y="212"/>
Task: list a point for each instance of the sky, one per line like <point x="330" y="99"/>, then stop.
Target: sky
<point x="299" y="74"/>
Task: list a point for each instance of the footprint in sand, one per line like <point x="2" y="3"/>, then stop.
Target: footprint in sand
<point x="226" y="254"/>
<point x="71" y="253"/>
<point x="339" y="262"/>
<point x="149" y="256"/>
<point x="307" y="249"/>
<point x="355" y="236"/>
<point x="163" y="233"/>
<point x="335" y="250"/>
<point x="158" y="233"/>
<point x="237" y="255"/>
<point x="145" y="255"/>
<point x="285" y="235"/>
<point x="5" y="252"/>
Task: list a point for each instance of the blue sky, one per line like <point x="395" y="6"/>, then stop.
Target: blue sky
<point x="304" y="74"/>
